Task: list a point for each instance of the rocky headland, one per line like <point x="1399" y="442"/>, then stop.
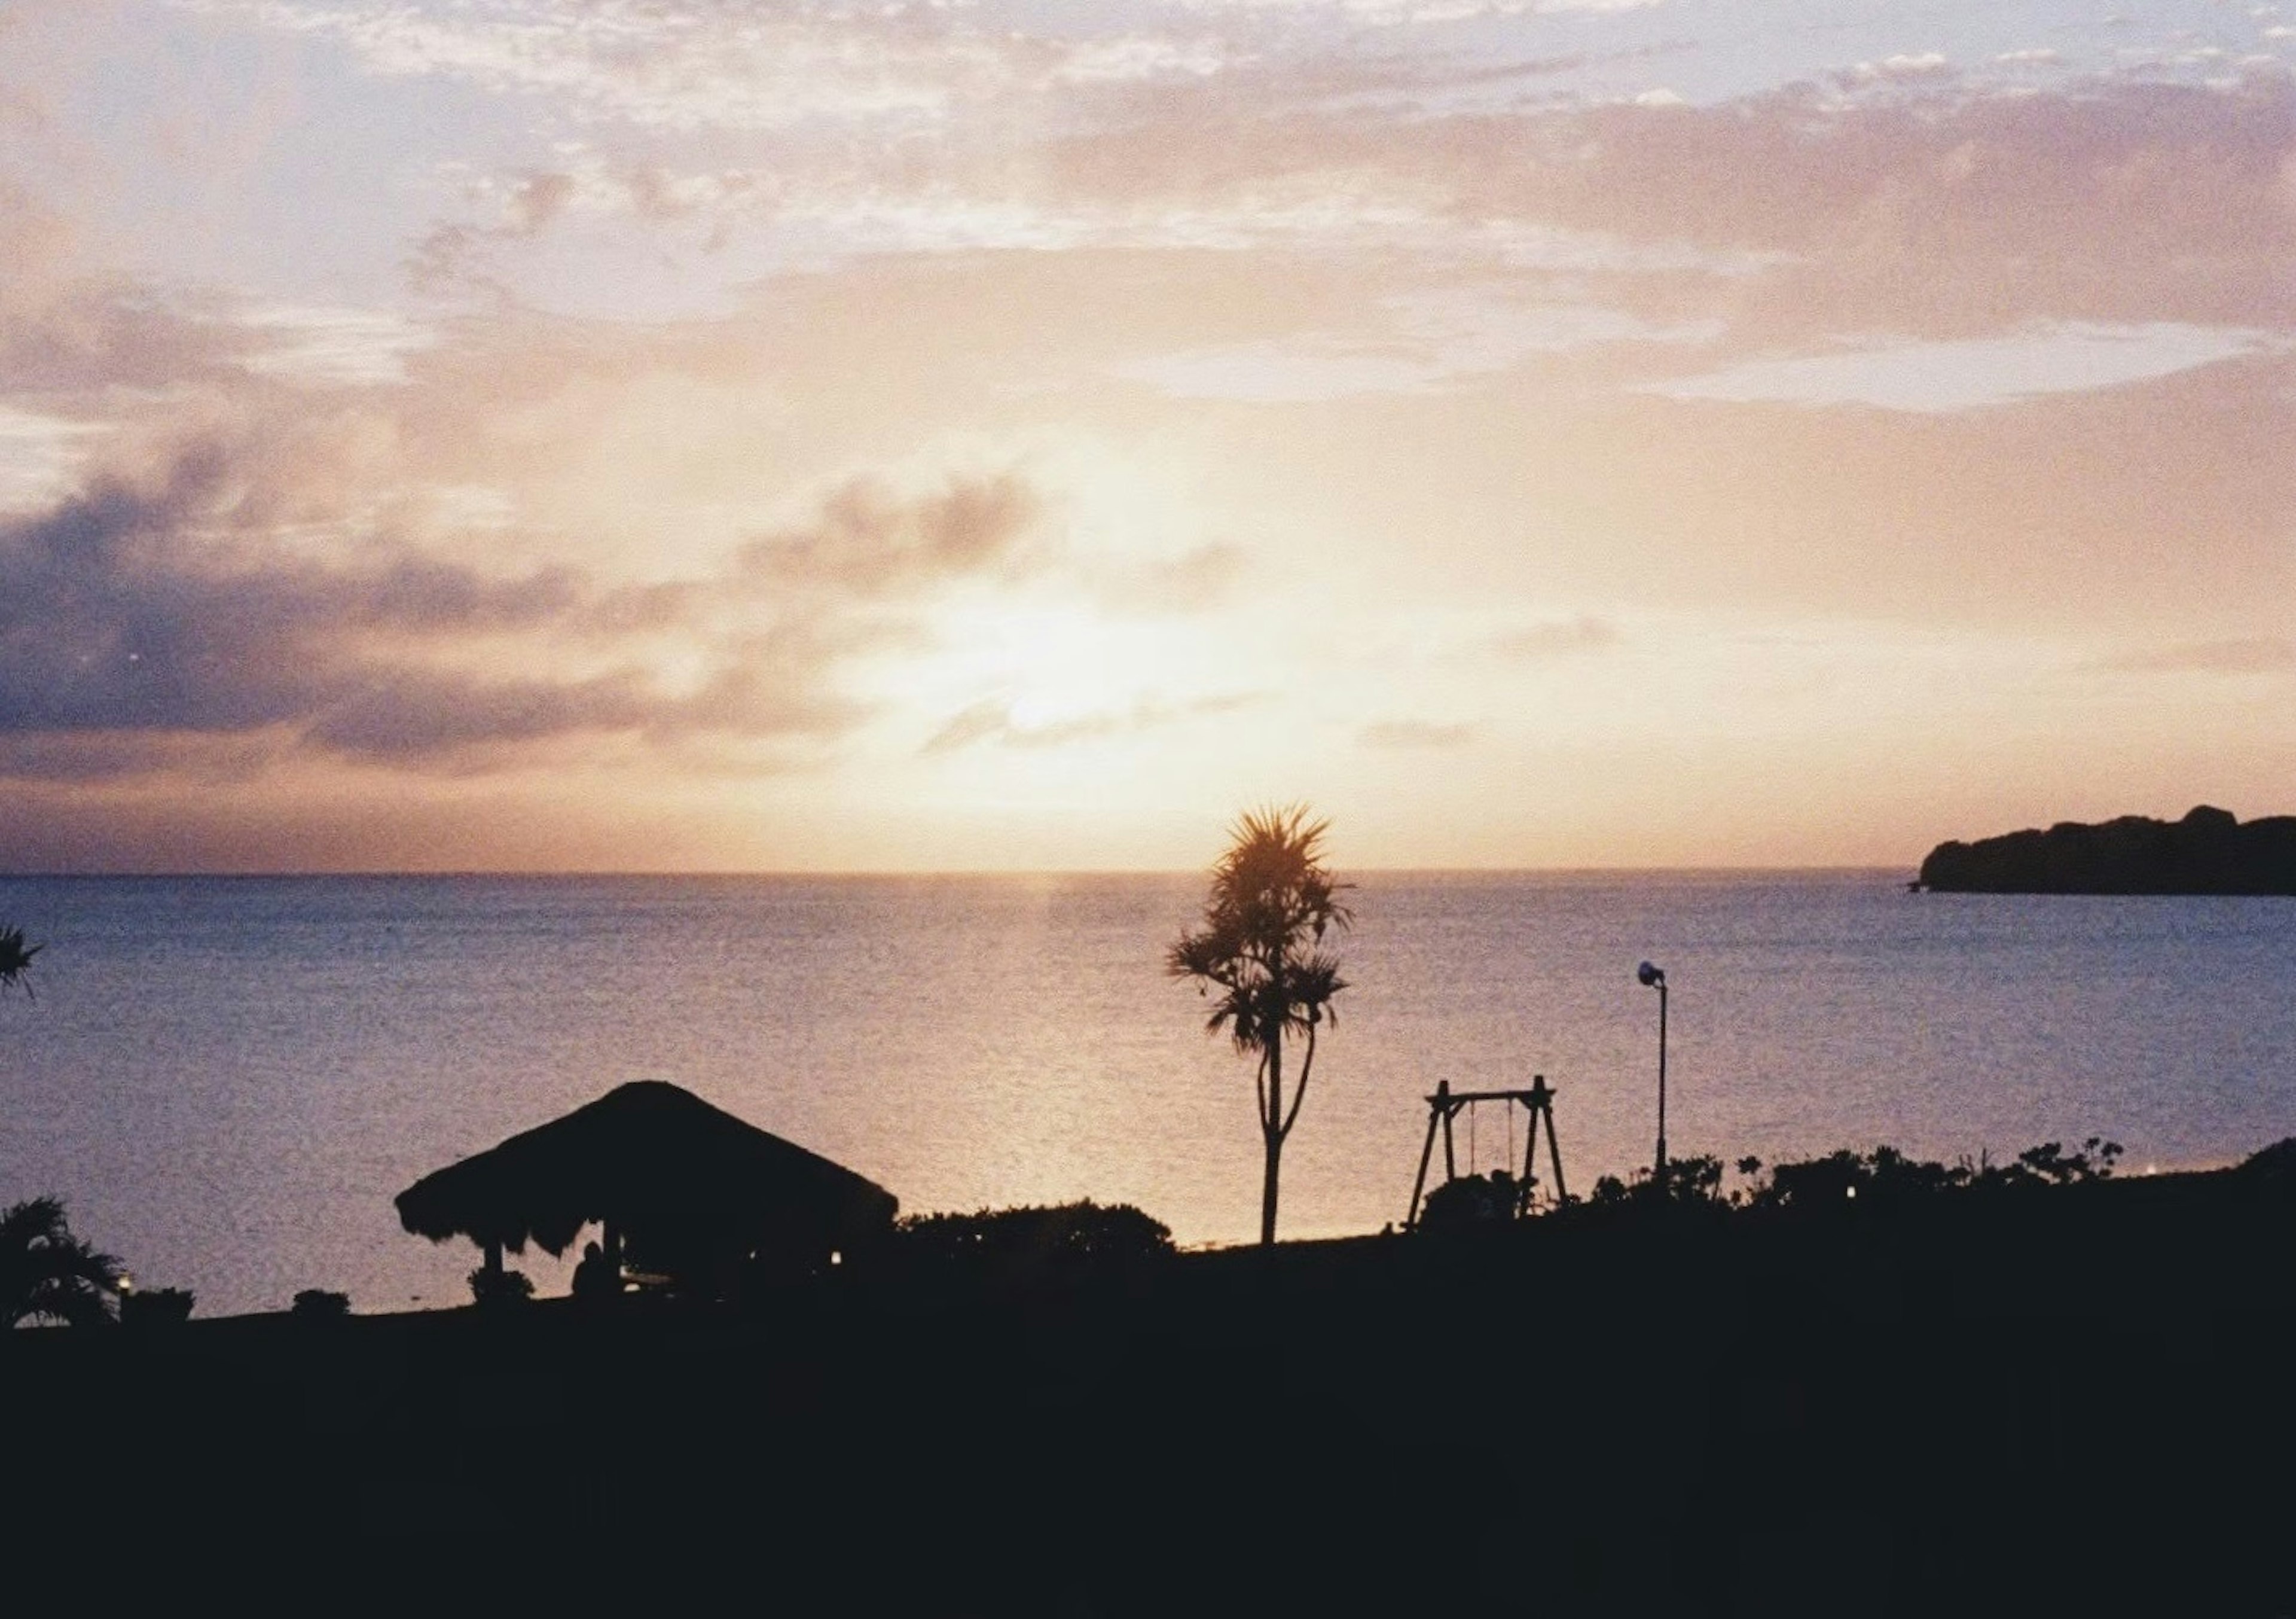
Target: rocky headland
<point x="2209" y="851"/>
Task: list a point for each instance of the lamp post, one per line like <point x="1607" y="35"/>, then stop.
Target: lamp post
<point x="1651" y="973"/>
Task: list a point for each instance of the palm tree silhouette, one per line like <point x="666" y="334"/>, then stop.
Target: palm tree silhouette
<point x="47" y="1274"/>
<point x="1270" y="904"/>
<point x="16" y="958"/>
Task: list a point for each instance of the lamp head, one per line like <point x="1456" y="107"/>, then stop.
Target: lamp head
<point x="1650" y="972"/>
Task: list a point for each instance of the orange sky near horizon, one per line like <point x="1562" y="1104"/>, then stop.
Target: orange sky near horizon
<point x="578" y="434"/>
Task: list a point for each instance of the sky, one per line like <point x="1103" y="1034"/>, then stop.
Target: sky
<point x="982" y="434"/>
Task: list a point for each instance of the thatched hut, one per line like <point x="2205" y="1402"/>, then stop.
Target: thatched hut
<point x="685" y="1188"/>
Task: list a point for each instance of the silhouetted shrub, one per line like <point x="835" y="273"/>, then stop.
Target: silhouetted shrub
<point x="1886" y="1176"/>
<point x="1469" y="1200"/>
<point x="2051" y="1165"/>
<point x="1694" y="1182"/>
<point x="1067" y="1237"/>
<point x="1883" y="1176"/>
<point x="494" y="1289"/>
<point x="154" y="1306"/>
<point x="318" y="1305"/>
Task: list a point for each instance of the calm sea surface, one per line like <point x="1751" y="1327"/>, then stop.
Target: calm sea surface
<point x="228" y="1078"/>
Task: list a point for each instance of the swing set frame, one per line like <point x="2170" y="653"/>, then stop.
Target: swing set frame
<point x="1443" y="1108"/>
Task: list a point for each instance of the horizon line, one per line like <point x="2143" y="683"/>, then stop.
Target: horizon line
<point x="953" y="871"/>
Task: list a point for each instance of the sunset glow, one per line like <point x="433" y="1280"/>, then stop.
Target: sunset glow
<point x="589" y="434"/>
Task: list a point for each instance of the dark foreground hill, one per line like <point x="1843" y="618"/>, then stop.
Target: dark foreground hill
<point x="2209" y="851"/>
<point x="2076" y="1399"/>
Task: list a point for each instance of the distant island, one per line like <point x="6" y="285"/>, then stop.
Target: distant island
<point x="2209" y="851"/>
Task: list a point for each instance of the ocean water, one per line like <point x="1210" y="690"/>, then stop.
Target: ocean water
<point x="228" y="1078"/>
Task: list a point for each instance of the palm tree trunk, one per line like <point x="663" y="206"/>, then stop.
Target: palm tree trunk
<point x="1267" y="1192"/>
<point x="1271" y="1131"/>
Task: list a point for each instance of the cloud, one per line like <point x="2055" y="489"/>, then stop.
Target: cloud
<point x="992" y="721"/>
<point x="539" y="199"/>
<point x="39" y="244"/>
<point x="2248" y="655"/>
<point x="870" y="541"/>
<point x="94" y="337"/>
<point x="1901" y="68"/>
<point x="1398" y="12"/>
<point x="510" y="540"/>
<point x="464" y="255"/>
<point x="1143" y="56"/>
<point x="1191" y="582"/>
<point x="121" y="619"/>
<point x="2122" y="207"/>
<point x="1414" y="734"/>
<point x="1279" y="371"/>
<point x="986" y="720"/>
<point x="1971" y="372"/>
<point x="1558" y="638"/>
<point x="1424" y="341"/>
<point x="37" y="455"/>
<point x="1937" y="211"/>
<point x="151" y="611"/>
<point x="671" y="67"/>
<point x="2106" y="511"/>
<point x="334" y="346"/>
<point x="833" y="129"/>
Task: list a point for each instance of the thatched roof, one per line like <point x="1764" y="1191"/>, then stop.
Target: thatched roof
<point x="646" y="1157"/>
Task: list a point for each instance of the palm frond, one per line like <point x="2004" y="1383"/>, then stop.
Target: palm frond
<point x="47" y="1274"/>
<point x="1271" y="903"/>
<point x="16" y="958"/>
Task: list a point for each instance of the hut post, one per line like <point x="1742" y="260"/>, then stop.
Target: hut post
<point x="612" y="1248"/>
<point x="494" y="1260"/>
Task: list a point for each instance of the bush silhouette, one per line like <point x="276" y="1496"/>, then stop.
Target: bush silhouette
<point x="1032" y="1242"/>
<point x="154" y="1306"/>
<point x="1886" y="1176"/>
<point x="495" y="1289"/>
<point x="1694" y="1182"/>
<point x="1470" y="1200"/>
